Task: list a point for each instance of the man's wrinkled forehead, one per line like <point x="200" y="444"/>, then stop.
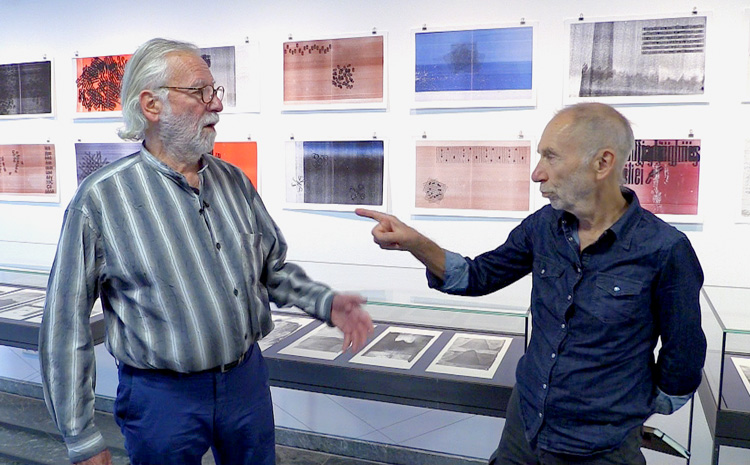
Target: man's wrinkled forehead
<point x="190" y="67"/>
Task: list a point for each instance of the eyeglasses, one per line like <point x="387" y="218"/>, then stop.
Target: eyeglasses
<point x="207" y="92"/>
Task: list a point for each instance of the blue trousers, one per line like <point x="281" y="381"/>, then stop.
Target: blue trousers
<point x="173" y="418"/>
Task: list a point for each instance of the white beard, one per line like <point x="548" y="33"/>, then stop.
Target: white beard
<point x="182" y="138"/>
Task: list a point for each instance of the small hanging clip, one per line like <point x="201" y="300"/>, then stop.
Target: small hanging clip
<point x="424" y="27"/>
<point x="695" y="10"/>
<point x="690" y="134"/>
<point x="374" y="31"/>
<point x="291" y="136"/>
<point x="424" y="135"/>
<point x="247" y="39"/>
<point x="290" y="36"/>
<point x="520" y="134"/>
<point x="523" y="21"/>
<point x="580" y="17"/>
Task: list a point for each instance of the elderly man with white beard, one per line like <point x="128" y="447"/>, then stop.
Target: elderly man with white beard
<point x="185" y="259"/>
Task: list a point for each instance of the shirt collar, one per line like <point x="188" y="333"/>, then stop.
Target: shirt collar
<point x="622" y="226"/>
<point x="164" y="169"/>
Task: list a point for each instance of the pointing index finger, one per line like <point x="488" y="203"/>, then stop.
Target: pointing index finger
<point x="375" y="215"/>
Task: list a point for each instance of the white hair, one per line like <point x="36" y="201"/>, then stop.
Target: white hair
<point x="147" y="69"/>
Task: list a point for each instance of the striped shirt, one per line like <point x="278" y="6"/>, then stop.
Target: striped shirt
<point x="185" y="279"/>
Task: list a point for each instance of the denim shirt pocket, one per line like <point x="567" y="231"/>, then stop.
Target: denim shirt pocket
<point x="547" y="277"/>
<point x="617" y="299"/>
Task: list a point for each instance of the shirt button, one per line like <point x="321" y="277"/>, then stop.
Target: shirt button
<point x="543" y="271"/>
<point x="553" y="355"/>
<point x="570" y="238"/>
<point x="562" y="326"/>
<point x="218" y="246"/>
<point x="570" y="297"/>
<point x="540" y="415"/>
<point x="236" y="292"/>
<point x="544" y="386"/>
<point x="246" y="337"/>
<point x="578" y="269"/>
<point x="617" y="288"/>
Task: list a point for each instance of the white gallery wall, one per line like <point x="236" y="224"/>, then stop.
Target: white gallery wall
<point x="336" y="247"/>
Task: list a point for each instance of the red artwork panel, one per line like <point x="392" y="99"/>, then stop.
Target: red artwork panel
<point x="98" y="83"/>
<point x="664" y="173"/>
<point x="243" y="155"/>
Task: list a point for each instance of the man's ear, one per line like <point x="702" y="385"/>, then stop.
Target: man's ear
<point x="151" y="107"/>
<point x="604" y="163"/>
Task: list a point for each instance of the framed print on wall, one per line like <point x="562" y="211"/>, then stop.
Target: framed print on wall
<point x="98" y="80"/>
<point x="243" y="155"/>
<point x="478" y="67"/>
<point x="665" y="174"/>
<point x="343" y="73"/>
<point x="654" y="60"/>
<point x="92" y="156"/>
<point x="26" y="90"/>
<point x="473" y="178"/>
<point x="28" y="173"/>
<point x="232" y="68"/>
<point x="336" y="175"/>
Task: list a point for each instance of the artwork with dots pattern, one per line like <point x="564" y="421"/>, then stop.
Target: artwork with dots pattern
<point x="483" y="177"/>
<point x="334" y="71"/>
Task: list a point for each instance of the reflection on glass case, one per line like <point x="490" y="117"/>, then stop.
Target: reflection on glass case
<point x="427" y="349"/>
<point x="725" y="391"/>
<point x="22" y="293"/>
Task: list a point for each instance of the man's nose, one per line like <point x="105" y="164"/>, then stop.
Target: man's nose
<point x="538" y="175"/>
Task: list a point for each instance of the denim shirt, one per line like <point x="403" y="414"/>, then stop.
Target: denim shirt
<point x="589" y="375"/>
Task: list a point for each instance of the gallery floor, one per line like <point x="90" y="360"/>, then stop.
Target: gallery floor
<point x="354" y="431"/>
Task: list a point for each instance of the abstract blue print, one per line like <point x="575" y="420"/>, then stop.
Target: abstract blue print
<point x="474" y="60"/>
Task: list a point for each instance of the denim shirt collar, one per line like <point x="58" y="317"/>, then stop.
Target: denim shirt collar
<point x="567" y="221"/>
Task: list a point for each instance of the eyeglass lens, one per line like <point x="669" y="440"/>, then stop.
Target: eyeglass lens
<point x="208" y="93"/>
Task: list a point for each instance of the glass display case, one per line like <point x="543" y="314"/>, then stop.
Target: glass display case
<point x="427" y="349"/>
<point x="22" y="293"/>
<point x="725" y="391"/>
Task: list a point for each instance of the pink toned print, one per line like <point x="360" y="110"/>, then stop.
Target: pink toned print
<point x="28" y="169"/>
<point x="334" y="71"/>
<point x="473" y="175"/>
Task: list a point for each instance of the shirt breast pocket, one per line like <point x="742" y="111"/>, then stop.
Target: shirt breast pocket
<point x="617" y="299"/>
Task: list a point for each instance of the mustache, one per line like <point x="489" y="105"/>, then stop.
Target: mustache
<point x="212" y="118"/>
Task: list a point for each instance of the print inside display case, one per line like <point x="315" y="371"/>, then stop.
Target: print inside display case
<point x="725" y="391"/>
<point x="428" y="349"/>
<point x="22" y="293"/>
